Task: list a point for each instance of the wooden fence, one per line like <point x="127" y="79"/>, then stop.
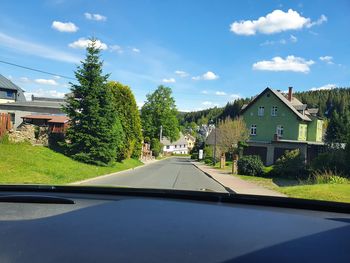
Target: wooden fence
<point x="5" y="123"/>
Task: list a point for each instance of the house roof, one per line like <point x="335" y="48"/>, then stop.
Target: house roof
<point x="8" y="84"/>
<point x="290" y="104"/>
<point x="50" y="118"/>
<point x="165" y="141"/>
<point x="39" y="104"/>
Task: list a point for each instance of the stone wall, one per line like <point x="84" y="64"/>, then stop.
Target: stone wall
<point x="30" y="133"/>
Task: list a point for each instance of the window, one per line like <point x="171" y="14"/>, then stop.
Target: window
<point x="261" y="111"/>
<point x="9" y="94"/>
<point x="279" y="130"/>
<point x="253" y="129"/>
<point x="274" y="111"/>
<point x="168" y="147"/>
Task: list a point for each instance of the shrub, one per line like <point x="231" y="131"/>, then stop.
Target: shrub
<point x="333" y="160"/>
<point x="156" y="147"/>
<point x="194" y="156"/>
<point x="250" y="165"/>
<point x="290" y="164"/>
<point x="208" y="155"/>
<point x="327" y="177"/>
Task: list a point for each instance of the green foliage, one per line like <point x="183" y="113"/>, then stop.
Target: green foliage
<point x="250" y="165"/>
<point x="291" y="165"/>
<point x="327" y="177"/>
<point x="208" y="155"/>
<point x="4" y="139"/>
<point x="332" y="160"/>
<point x="194" y="156"/>
<point x="160" y="110"/>
<point x="156" y="147"/>
<point x="128" y="113"/>
<point x="94" y="132"/>
<point x="338" y="127"/>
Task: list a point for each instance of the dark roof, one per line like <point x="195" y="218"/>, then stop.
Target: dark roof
<point x="289" y="104"/>
<point x="50" y="118"/>
<point x="39" y="104"/>
<point x="34" y="98"/>
<point x="8" y="84"/>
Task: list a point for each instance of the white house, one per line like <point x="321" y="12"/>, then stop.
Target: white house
<point x="178" y="147"/>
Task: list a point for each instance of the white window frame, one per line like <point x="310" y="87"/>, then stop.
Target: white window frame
<point x="279" y="130"/>
<point x="274" y="111"/>
<point x="261" y="111"/>
<point x="253" y="129"/>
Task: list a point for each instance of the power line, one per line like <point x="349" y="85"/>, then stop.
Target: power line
<point x="37" y="70"/>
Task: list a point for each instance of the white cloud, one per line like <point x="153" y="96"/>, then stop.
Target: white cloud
<point x="24" y="80"/>
<point x="220" y="93"/>
<point x="44" y="93"/>
<point x="235" y="96"/>
<point x="207" y="103"/>
<point x="84" y="43"/>
<point x="293" y="38"/>
<point x="35" y="49"/>
<point x="136" y="50"/>
<point x="274" y="22"/>
<point x="170" y="80"/>
<point x="204" y="92"/>
<point x="96" y="17"/>
<point x="318" y="22"/>
<point x="327" y="59"/>
<point x="116" y="48"/>
<point x="181" y="73"/>
<point x="64" y="27"/>
<point x="324" y="87"/>
<point x="206" y="76"/>
<point x="290" y="63"/>
<point x="50" y="82"/>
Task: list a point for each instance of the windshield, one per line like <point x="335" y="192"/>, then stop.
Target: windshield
<point x="243" y="97"/>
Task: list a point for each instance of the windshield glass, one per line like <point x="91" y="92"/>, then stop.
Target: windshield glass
<point x="244" y="97"/>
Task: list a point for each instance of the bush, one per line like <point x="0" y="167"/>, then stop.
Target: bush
<point x="291" y="164"/>
<point x="156" y="147"/>
<point x="250" y="165"/>
<point x="194" y="156"/>
<point x="208" y="155"/>
<point x="327" y="177"/>
<point x="333" y="160"/>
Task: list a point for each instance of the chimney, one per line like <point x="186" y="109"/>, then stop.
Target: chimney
<point x="290" y="92"/>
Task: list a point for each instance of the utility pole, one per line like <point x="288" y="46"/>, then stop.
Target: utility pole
<point x="161" y="133"/>
<point x="216" y="121"/>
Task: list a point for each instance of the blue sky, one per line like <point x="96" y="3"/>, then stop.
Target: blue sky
<point x="208" y="52"/>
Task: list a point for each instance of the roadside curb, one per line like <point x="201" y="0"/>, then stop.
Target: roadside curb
<point x="115" y="173"/>
<point x="228" y="189"/>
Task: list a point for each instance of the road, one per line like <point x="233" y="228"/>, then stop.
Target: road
<point x="171" y="173"/>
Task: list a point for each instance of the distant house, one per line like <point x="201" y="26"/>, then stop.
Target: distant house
<point x="190" y="141"/>
<point x="10" y="92"/>
<point x="38" y="105"/>
<point x="177" y="147"/>
<point x="278" y="122"/>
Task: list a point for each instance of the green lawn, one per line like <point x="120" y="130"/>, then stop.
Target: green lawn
<point x="26" y="164"/>
<point x="293" y="188"/>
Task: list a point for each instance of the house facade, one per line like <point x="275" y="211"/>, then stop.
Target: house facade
<point x="278" y="122"/>
<point x="10" y="92"/>
<point x="177" y="147"/>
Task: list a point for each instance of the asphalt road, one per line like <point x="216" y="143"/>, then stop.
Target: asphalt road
<point x="171" y="173"/>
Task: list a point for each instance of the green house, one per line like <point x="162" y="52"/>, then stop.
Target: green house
<point x="279" y="122"/>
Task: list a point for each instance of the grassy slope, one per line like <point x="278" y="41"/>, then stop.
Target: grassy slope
<point x="329" y="192"/>
<point x="26" y="164"/>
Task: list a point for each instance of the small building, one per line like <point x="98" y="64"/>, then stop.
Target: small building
<point x="37" y="106"/>
<point x="10" y="92"/>
<point x="177" y="147"/>
<point x="55" y="124"/>
<point x="278" y="122"/>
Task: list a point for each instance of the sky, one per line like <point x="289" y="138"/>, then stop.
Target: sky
<point x="208" y="52"/>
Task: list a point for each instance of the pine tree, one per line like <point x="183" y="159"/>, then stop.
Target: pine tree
<point x="129" y="115"/>
<point x="95" y="131"/>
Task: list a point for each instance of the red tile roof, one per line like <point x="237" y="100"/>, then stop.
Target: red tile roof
<point x="50" y="118"/>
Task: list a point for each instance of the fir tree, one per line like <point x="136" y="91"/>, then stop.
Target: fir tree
<point x="95" y="131"/>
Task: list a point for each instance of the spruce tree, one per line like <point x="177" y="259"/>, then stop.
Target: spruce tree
<point x="129" y="115"/>
<point x="95" y="132"/>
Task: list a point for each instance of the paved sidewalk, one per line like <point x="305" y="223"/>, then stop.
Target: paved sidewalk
<point x="235" y="183"/>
